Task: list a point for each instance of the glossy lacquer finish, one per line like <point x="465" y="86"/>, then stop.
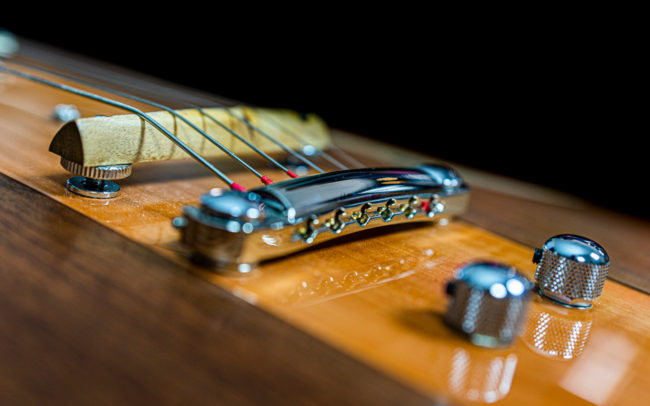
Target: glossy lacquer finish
<point x="390" y="312"/>
<point x="379" y="299"/>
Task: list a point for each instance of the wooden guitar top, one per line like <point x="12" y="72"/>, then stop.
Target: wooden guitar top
<point x="99" y="302"/>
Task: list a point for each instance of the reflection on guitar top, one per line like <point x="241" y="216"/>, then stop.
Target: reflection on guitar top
<point x="485" y="377"/>
<point x="557" y="332"/>
<point x="327" y="287"/>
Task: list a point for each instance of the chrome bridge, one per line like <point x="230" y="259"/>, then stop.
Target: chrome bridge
<point x="240" y="229"/>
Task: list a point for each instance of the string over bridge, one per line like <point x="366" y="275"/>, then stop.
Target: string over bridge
<point x="241" y="229"/>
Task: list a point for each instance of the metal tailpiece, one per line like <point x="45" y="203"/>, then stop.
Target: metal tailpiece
<point x="243" y="228"/>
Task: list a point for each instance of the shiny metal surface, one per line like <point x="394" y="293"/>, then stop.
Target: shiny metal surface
<point x="232" y="227"/>
<point x="323" y="193"/>
<point x="108" y="172"/>
<point x="8" y="42"/>
<point x="95" y="182"/>
<point x="571" y="270"/>
<point x="488" y="303"/>
<point x="66" y="112"/>
<point x="93" y="188"/>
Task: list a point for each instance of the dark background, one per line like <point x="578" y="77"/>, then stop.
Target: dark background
<point x="554" y="105"/>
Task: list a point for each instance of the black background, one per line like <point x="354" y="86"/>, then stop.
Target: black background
<point x="557" y="105"/>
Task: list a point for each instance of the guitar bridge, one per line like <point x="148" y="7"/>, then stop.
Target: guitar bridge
<point x="241" y="229"/>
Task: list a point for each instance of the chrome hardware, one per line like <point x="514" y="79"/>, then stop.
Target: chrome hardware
<point x="409" y="209"/>
<point x="309" y="150"/>
<point x="362" y="217"/>
<point x="97" y="181"/>
<point x="8" y="43"/>
<point x="433" y="207"/>
<point x="488" y="303"/>
<point x="313" y="209"/>
<point x="571" y="270"/>
<point x="66" y="112"/>
<point x="385" y="211"/>
<point x="308" y="231"/>
<point x="336" y="224"/>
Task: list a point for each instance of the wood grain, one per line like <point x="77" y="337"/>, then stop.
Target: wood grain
<point x="89" y="317"/>
<point x="377" y="299"/>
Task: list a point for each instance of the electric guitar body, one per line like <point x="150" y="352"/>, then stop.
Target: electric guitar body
<point x="114" y="301"/>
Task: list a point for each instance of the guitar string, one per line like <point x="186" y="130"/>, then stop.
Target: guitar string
<point x="346" y="156"/>
<point x="301" y="157"/>
<point x="322" y="153"/>
<point x="274" y="140"/>
<point x="35" y="65"/>
<point x="352" y="160"/>
<point x="325" y="155"/>
<point x="123" y="106"/>
<point x="210" y="99"/>
<point x="186" y="95"/>
<point x="264" y="179"/>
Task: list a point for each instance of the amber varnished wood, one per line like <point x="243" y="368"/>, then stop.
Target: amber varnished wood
<point x="530" y="214"/>
<point x="377" y="297"/>
<point x="90" y="317"/>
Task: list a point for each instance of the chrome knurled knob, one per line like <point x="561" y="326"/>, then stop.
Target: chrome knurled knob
<point x="571" y="270"/>
<point x="488" y="303"/>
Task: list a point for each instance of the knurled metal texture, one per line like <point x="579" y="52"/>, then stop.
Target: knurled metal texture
<point x="108" y="172"/>
<point x="474" y="311"/>
<point x="573" y="279"/>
